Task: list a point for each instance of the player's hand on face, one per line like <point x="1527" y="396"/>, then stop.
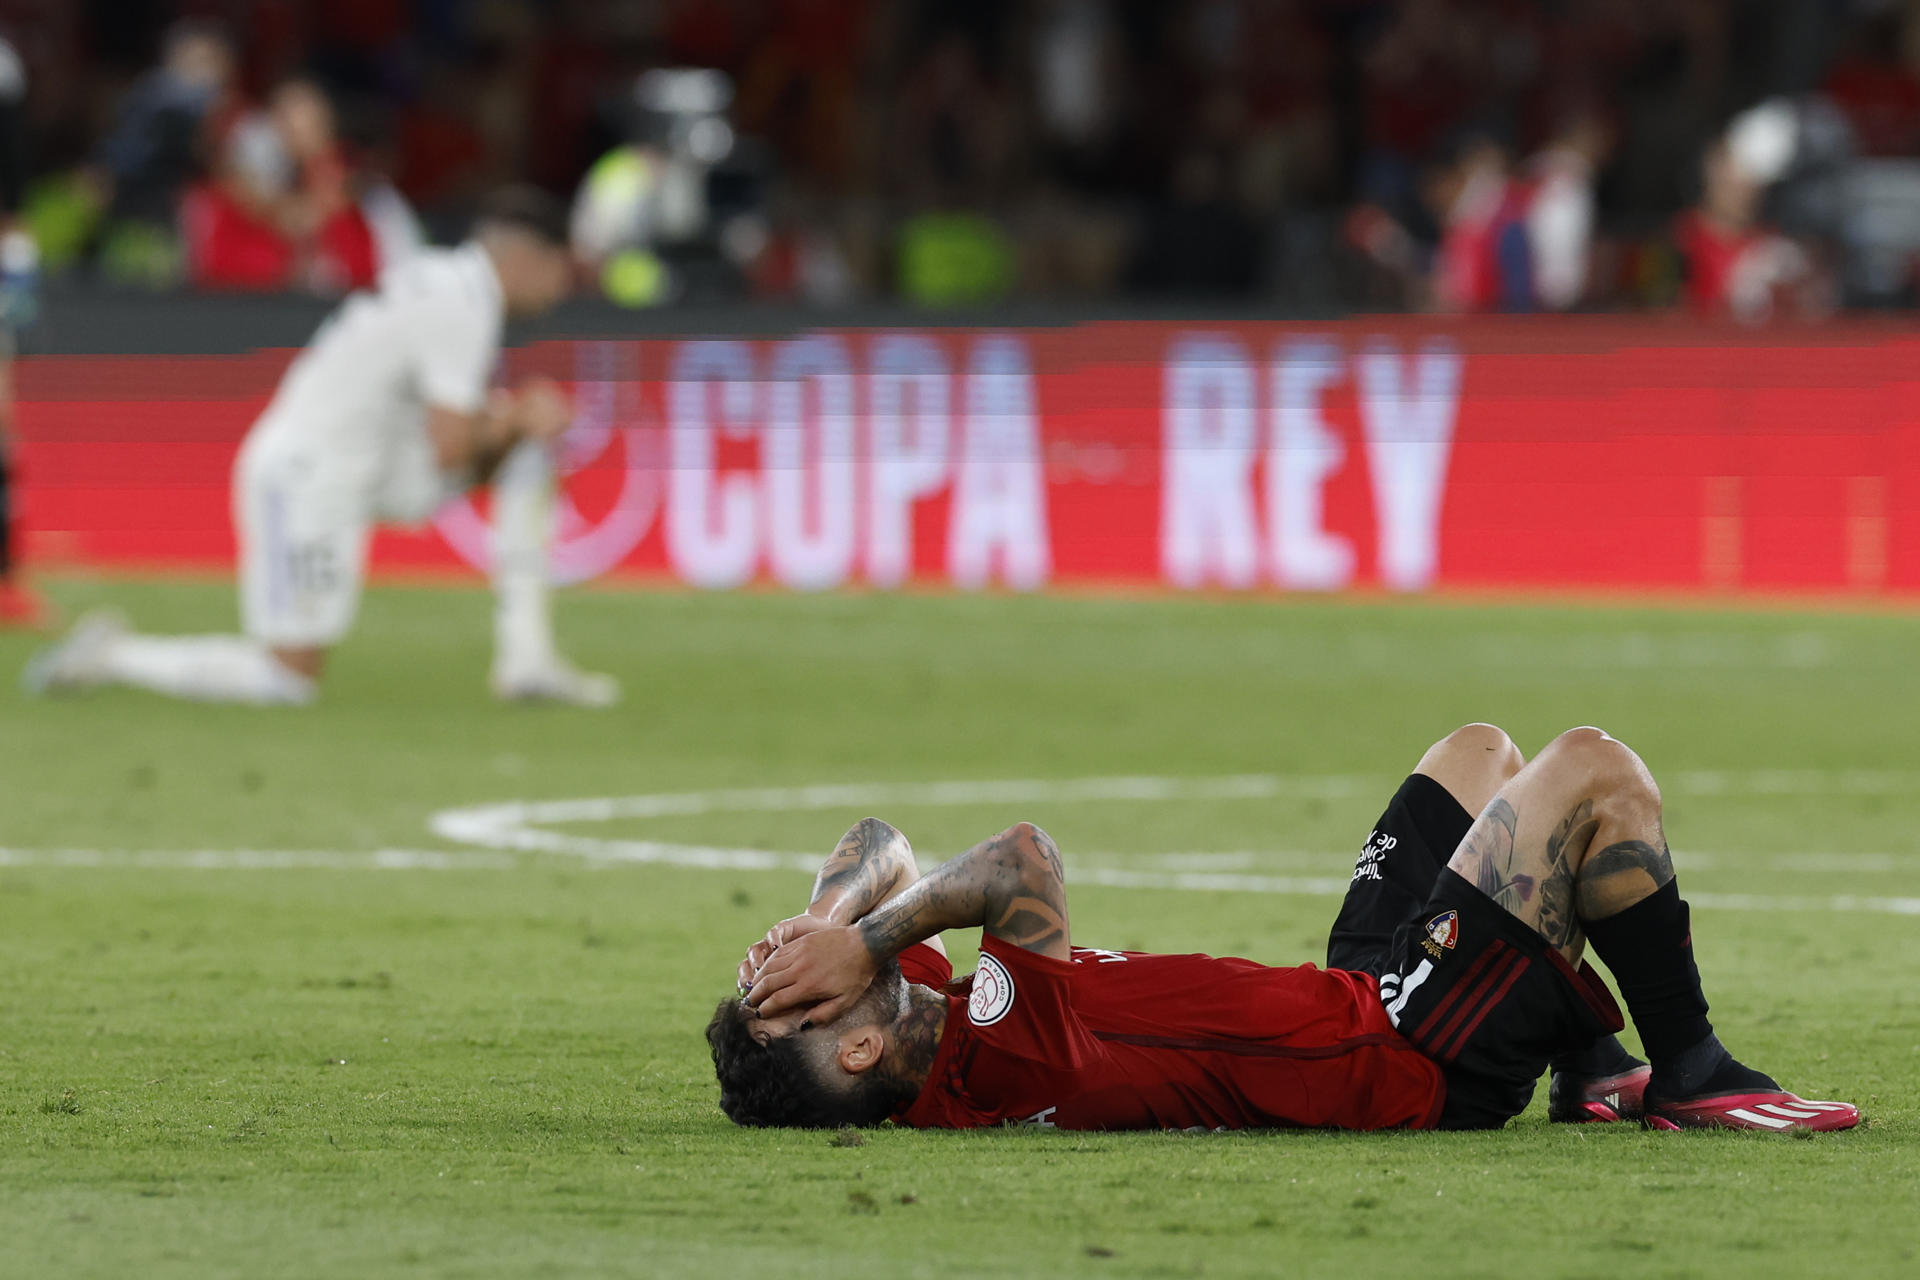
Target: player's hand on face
<point x="778" y="936"/>
<point x="823" y="972"/>
<point x="545" y="413"/>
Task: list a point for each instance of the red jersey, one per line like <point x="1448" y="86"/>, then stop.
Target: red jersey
<point x="228" y="247"/>
<point x="1742" y="273"/>
<point x="1129" y="1040"/>
<point x="1714" y="257"/>
<point x="1484" y="262"/>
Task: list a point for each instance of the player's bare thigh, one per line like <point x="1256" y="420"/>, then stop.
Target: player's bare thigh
<point x="1586" y="791"/>
<point x="1472" y="763"/>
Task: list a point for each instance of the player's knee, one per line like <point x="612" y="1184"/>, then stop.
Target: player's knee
<point x="1611" y="768"/>
<point x="1593" y="747"/>
<point x="1486" y="744"/>
<point x="1473" y="762"/>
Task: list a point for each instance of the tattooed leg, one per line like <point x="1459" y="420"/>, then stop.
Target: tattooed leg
<point x="1630" y="908"/>
<point x="1573" y="844"/>
<point x="1570" y="836"/>
<point x="1620" y="875"/>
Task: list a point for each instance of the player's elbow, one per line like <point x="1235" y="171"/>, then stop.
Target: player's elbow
<point x="1034" y="847"/>
<point x="878" y="831"/>
<point x="885" y="841"/>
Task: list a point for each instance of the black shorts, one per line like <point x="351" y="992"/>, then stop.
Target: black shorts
<point x="1466" y="981"/>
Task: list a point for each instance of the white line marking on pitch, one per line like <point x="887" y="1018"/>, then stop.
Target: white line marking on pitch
<point x="258" y="859"/>
<point x="521" y="826"/>
<point x="493" y="833"/>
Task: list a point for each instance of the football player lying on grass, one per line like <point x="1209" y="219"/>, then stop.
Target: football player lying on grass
<point x="1451" y="985"/>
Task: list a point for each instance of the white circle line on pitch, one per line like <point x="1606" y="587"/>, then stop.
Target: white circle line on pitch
<point x="523" y="827"/>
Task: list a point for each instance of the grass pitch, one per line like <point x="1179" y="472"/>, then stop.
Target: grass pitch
<point x="255" y="1018"/>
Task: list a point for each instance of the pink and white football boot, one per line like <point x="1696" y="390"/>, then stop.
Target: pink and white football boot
<point x="1775" y="1111"/>
<point x="1575" y="1099"/>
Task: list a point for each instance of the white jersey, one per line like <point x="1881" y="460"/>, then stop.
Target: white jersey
<point x="352" y="406"/>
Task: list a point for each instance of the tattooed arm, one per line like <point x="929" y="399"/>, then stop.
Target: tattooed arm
<point x="1010" y="886"/>
<point x="872" y="863"/>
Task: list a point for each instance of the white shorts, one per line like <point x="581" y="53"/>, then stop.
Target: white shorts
<point x="303" y="547"/>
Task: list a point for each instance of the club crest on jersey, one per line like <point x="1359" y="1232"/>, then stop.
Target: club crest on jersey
<point x="992" y="993"/>
<point x="1443" y="932"/>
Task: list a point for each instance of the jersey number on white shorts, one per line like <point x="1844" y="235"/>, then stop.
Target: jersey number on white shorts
<point x="310" y="566"/>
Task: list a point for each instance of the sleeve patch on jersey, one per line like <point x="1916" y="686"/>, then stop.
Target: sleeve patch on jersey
<point x="992" y="996"/>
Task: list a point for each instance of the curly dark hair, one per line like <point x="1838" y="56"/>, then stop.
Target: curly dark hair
<point x="779" y="1084"/>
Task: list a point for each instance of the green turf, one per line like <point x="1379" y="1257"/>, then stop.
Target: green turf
<point x="497" y="1070"/>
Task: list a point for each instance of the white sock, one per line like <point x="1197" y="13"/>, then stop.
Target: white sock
<point x="523" y="527"/>
<point x="206" y="669"/>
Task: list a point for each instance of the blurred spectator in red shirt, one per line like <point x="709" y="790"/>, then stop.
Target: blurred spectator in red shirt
<point x="1734" y="264"/>
<point x="324" y="217"/>
<point x="1485" y="260"/>
<point x="281" y="211"/>
<point x="232" y="241"/>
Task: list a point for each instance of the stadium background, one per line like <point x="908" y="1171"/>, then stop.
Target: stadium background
<point x="1087" y="300"/>
<point x="919" y="190"/>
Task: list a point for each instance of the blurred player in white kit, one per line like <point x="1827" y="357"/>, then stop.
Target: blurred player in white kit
<point x="388" y="413"/>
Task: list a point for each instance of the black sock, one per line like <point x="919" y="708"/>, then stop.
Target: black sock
<point x="1604" y="1057"/>
<point x="1703" y="1070"/>
<point x="1649" y="948"/>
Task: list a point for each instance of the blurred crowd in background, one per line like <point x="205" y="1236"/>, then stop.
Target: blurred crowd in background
<point x="1757" y="158"/>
